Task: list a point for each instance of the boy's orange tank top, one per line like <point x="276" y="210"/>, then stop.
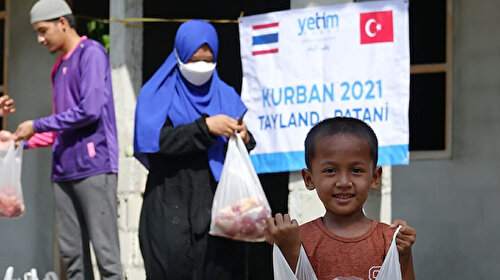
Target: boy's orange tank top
<point x="333" y="256"/>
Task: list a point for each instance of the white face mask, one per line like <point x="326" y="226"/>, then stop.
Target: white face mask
<point x="197" y="73"/>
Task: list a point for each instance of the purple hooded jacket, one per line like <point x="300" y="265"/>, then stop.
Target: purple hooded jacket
<point x="82" y="128"/>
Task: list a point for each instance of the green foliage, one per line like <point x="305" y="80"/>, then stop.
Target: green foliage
<point x="99" y="31"/>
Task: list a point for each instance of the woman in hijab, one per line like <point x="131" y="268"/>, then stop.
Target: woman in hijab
<point x="184" y="115"/>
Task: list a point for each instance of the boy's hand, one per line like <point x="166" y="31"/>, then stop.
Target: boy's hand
<point x="286" y="234"/>
<point x="283" y="231"/>
<point x="405" y="238"/>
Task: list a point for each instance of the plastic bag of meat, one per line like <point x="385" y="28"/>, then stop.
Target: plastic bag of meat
<point x="11" y="194"/>
<point x="5" y="138"/>
<point x="240" y="206"/>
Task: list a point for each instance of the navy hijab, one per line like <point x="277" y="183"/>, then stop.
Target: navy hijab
<point x="168" y="95"/>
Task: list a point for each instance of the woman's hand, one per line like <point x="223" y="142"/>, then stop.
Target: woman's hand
<point x="226" y="126"/>
<point x="242" y="129"/>
<point x="221" y="125"/>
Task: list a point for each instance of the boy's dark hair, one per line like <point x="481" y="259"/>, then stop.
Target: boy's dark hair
<point x="339" y="125"/>
<point x="70" y="18"/>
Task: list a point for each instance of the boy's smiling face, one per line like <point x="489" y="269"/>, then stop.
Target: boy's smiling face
<point x="342" y="173"/>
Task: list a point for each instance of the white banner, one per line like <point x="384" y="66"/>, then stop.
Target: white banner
<point x="301" y="66"/>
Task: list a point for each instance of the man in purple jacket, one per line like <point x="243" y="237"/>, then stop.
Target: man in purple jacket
<point x="82" y="130"/>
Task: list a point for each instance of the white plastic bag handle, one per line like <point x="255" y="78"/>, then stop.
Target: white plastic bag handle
<point x="8" y="273"/>
<point x="31" y="275"/>
<point x="304" y="267"/>
<point x="283" y="271"/>
<point x="391" y="269"/>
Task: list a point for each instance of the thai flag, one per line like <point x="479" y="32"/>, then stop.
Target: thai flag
<point x="265" y="38"/>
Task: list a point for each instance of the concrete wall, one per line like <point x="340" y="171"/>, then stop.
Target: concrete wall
<point x="126" y="64"/>
<point x="453" y="203"/>
<point x="28" y="241"/>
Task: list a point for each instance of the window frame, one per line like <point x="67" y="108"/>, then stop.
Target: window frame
<point x="446" y="68"/>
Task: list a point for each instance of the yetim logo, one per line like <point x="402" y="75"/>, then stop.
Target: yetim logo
<point x="265" y="38"/>
<point x="324" y="22"/>
<point x="376" y="27"/>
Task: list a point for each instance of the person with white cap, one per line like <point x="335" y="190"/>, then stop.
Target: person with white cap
<point x="82" y="131"/>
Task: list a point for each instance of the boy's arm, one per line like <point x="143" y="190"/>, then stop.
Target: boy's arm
<point x="406" y="262"/>
<point x="286" y="234"/>
<point x="404" y="241"/>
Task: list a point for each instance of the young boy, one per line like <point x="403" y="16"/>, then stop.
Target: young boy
<point x="341" y="156"/>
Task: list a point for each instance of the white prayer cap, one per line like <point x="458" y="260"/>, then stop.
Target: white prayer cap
<point x="48" y="10"/>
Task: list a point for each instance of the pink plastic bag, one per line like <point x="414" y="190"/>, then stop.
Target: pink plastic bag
<point x="11" y="194"/>
<point x="240" y="206"/>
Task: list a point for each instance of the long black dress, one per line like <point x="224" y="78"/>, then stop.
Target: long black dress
<point x="175" y="217"/>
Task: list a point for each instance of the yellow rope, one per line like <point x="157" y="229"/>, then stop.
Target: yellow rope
<point x="128" y="20"/>
<point x="131" y="20"/>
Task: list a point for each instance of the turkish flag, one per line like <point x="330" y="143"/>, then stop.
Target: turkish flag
<point x="376" y="27"/>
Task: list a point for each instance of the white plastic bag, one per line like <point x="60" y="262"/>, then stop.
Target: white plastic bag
<point x="390" y="269"/>
<point x="283" y="271"/>
<point x="8" y="273"/>
<point x="11" y="194"/>
<point x="240" y="206"/>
